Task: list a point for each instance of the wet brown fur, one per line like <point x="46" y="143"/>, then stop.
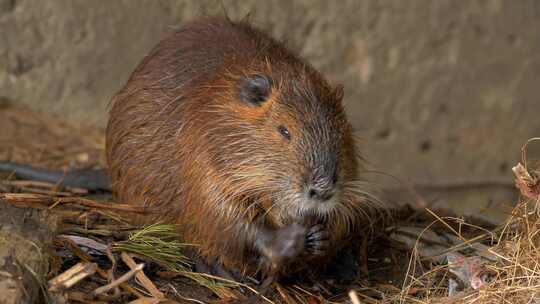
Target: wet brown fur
<point x="180" y="141"/>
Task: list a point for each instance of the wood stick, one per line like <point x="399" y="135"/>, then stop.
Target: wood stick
<point x="71" y="276"/>
<point x="145" y="301"/>
<point x="354" y="297"/>
<point x="143" y="279"/>
<point x="128" y="275"/>
<point x="43" y="185"/>
<point x="39" y="201"/>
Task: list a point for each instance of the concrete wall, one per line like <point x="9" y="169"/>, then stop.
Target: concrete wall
<point x="439" y="90"/>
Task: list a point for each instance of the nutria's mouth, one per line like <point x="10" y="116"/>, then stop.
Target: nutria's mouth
<point x="314" y="208"/>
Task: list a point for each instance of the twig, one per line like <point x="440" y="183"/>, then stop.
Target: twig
<point x="284" y="295"/>
<point x="145" y="301"/>
<point x="86" y="242"/>
<point x="44" y="202"/>
<point x="110" y="272"/>
<point x="528" y="185"/>
<point x="71" y="276"/>
<point x="182" y="297"/>
<point x="40" y="191"/>
<point x="81" y="297"/>
<point x="143" y="279"/>
<point x="87" y="258"/>
<point x="128" y="275"/>
<point x="44" y="185"/>
<point x="524" y="158"/>
<point x="354" y="297"/>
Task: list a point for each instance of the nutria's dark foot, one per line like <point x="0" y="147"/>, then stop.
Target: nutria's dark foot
<point x="317" y="240"/>
<point x="344" y="268"/>
<point x="216" y="269"/>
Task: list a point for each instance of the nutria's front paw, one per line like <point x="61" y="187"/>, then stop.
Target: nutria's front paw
<point x="317" y="240"/>
<point x="286" y="245"/>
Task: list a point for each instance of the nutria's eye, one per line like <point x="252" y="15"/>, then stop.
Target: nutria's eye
<point x="255" y="89"/>
<point x="284" y="132"/>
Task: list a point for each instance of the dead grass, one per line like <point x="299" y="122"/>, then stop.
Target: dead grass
<point x="510" y="270"/>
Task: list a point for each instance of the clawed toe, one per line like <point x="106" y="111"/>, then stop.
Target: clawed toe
<point x="317" y="240"/>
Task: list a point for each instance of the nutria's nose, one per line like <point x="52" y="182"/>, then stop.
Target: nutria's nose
<point x="322" y="182"/>
<point x="321" y="194"/>
<point x="322" y="189"/>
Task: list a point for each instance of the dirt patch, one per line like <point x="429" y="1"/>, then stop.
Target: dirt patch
<point x="47" y="141"/>
<point x="25" y="235"/>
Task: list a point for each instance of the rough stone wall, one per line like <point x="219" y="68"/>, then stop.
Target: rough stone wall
<point x="438" y="90"/>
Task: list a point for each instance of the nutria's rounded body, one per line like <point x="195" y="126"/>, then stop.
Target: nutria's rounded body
<point x="224" y="132"/>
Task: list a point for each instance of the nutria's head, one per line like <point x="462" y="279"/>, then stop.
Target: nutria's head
<point x="283" y="142"/>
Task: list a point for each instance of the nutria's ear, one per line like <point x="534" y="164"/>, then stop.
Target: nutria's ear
<point x="255" y="89"/>
<point x="338" y="93"/>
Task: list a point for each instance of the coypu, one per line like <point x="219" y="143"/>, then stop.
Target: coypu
<point x="242" y="144"/>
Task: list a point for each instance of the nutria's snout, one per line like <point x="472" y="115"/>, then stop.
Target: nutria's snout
<point x="323" y="181"/>
<point x="322" y="189"/>
<point x="321" y="194"/>
<point x="323" y="184"/>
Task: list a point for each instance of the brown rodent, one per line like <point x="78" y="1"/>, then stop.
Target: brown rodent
<point x="245" y="146"/>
